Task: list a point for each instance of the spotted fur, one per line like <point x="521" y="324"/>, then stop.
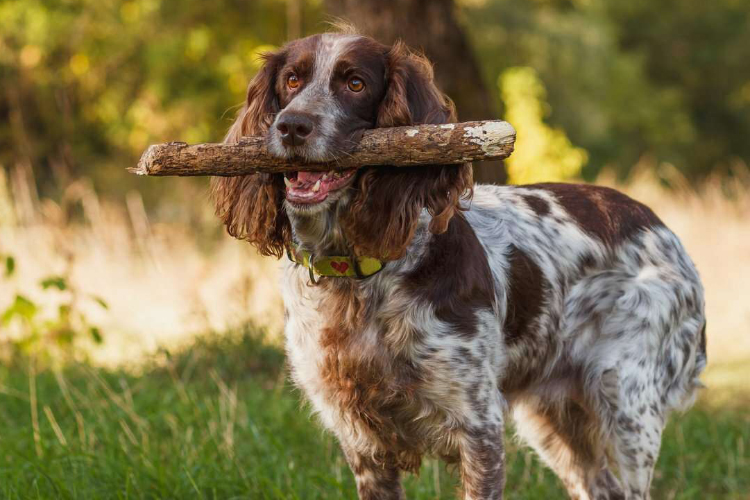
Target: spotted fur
<point x="571" y="309"/>
<point x="587" y="338"/>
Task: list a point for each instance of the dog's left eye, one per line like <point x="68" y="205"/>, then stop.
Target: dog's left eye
<point x="292" y="81"/>
<point x="356" y="84"/>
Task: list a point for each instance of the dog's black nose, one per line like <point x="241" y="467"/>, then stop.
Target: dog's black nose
<point x="294" y="128"/>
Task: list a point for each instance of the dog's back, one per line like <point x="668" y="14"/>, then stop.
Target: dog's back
<point x="591" y="277"/>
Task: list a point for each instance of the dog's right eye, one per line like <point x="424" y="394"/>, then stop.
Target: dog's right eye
<point x="292" y="81"/>
<point x="356" y="84"/>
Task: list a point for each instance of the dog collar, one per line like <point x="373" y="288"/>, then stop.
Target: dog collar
<point x="334" y="265"/>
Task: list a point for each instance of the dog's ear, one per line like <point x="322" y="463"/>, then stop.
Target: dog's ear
<point x="411" y="97"/>
<point x="385" y="211"/>
<point x="251" y="206"/>
<point x="261" y="102"/>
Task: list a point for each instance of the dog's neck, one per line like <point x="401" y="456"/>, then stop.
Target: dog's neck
<point x="320" y="232"/>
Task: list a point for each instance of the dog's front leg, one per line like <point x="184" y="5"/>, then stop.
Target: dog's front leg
<point x="376" y="480"/>
<point x="482" y="461"/>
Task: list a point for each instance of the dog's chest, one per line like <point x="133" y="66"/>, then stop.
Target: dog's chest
<point x="334" y="348"/>
<point x="358" y="379"/>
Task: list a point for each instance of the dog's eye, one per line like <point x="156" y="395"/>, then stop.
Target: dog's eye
<point x="292" y="81"/>
<point x="356" y="85"/>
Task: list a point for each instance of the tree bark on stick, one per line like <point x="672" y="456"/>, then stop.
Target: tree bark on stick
<point x="432" y="26"/>
<point x="450" y="143"/>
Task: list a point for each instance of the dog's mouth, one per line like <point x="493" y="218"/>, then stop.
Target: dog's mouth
<point x="314" y="187"/>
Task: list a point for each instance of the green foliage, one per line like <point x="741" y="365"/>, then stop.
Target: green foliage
<point x="219" y="420"/>
<point x="21" y="308"/>
<point x="542" y="154"/>
<point x="10" y="266"/>
<point x="88" y="84"/>
<point x="668" y="80"/>
<point x="49" y="334"/>
<point x="54" y="282"/>
<point x="698" y="53"/>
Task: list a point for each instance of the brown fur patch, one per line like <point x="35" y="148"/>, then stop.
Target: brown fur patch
<point x="370" y="389"/>
<point x="538" y="205"/>
<point x="385" y="212"/>
<point x="525" y="296"/>
<point x="571" y="428"/>
<point x="604" y="213"/>
<point x="299" y="59"/>
<point x="412" y="97"/>
<point x="454" y="276"/>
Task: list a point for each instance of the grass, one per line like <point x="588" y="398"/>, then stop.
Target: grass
<point x="218" y="419"/>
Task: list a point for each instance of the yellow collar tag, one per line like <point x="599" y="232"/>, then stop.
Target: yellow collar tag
<point x="335" y="266"/>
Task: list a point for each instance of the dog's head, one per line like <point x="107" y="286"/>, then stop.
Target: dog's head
<point x="313" y="99"/>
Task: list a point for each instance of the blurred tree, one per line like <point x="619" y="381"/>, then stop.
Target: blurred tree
<point x="700" y="53"/>
<point x="434" y="27"/>
<point x="86" y="85"/>
<point x="668" y="80"/>
<point x="542" y="154"/>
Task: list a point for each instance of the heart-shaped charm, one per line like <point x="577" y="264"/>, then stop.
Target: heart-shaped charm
<point x="340" y="267"/>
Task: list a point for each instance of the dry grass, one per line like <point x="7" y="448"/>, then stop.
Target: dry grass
<point x="164" y="287"/>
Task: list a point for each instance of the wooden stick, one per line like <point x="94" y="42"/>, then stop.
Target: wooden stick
<point x="398" y="146"/>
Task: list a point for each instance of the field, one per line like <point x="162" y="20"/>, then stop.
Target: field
<point x="219" y="420"/>
<point x="163" y="409"/>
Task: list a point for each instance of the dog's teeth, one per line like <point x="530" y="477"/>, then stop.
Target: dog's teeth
<point x="337" y="174"/>
<point x="316" y="187"/>
<point x="287" y="182"/>
<point x="326" y="175"/>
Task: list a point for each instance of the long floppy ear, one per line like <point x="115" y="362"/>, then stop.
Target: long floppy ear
<point x="385" y="212"/>
<point x="251" y="206"/>
<point x="412" y="97"/>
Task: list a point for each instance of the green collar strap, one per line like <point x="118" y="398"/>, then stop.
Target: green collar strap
<point x="334" y="266"/>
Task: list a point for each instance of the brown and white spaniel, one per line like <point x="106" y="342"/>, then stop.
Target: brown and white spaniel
<point x="571" y="309"/>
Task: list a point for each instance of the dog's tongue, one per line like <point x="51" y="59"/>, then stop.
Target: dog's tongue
<point x="313" y="187"/>
<point x="304" y="177"/>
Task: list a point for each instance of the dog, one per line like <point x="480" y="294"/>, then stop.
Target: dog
<point x="422" y="311"/>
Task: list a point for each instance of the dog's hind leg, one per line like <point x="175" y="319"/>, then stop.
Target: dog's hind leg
<point x="637" y="426"/>
<point x="652" y="383"/>
<point x="568" y="440"/>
